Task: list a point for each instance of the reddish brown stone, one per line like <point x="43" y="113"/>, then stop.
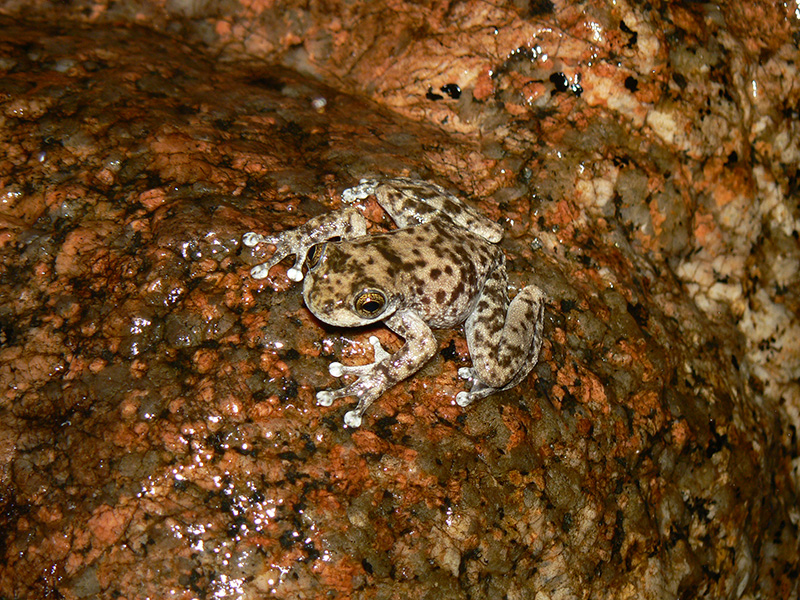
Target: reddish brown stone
<point x="160" y="436"/>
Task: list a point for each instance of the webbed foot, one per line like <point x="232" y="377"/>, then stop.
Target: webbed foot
<point x="366" y="388"/>
<point x="283" y="248"/>
<point x="477" y="390"/>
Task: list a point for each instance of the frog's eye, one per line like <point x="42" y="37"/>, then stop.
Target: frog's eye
<point x="315" y="255"/>
<point x="370" y="303"/>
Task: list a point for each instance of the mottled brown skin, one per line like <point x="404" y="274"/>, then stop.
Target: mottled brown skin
<point x="420" y="269"/>
<point x="439" y="269"/>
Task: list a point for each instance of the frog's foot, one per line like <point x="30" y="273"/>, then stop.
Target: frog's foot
<point x="477" y="391"/>
<point x="364" y="189"/>
<point x="365" y="389"/>
<point x="283" y="249"/>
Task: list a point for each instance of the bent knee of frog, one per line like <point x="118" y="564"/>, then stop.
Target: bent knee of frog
<point x="424" y="347"/>
<point x="430" y="346"/>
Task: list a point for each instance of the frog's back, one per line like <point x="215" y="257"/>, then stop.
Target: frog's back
<point x="438" y="267"/>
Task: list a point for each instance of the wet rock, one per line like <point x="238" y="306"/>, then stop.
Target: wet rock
<point x="159" y="431"/>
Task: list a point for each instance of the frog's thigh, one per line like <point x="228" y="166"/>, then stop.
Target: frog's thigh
<point x="504" y="342"/>
<point x="411" y="202"/>
<point x="400" y="198"/>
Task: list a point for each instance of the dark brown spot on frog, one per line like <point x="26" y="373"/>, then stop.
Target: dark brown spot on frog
<point x="386" y="252"/>
<point x="450" y="207"/>
<point x="440" y="297"/>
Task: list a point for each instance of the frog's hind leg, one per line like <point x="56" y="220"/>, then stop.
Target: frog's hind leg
<point x="411" y="202"/>
<point x="504" y="344"/>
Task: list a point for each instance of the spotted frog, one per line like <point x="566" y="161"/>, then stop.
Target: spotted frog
<point x="441" y="267"/>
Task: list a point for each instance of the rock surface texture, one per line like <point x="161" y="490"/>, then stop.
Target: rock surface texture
<point x="159" y="436"/>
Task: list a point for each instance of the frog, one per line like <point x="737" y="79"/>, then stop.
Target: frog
<point x="441" y="267"/>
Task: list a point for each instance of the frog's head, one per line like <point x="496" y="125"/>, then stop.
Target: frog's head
<point x="347" y="289"/>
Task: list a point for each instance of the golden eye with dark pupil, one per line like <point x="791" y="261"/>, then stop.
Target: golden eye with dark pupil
<point x="370" y="303"/>
<point x="314" y="255"/>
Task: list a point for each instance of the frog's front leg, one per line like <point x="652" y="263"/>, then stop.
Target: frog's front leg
<point x="387" y="369"/>
<point x="504" y="344"/>
<point x="346" y="224"/>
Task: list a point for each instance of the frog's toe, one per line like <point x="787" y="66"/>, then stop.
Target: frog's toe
<point x="352" y="418"/>
<point x="380" y="353"/>
<point x="364" y="189"/>
<point x="336" y="369"/>
<point x="463" y="399"/>
<point x="251" y="238"/>
<point x="325" y="398"/>
<point x="467" y="373"/>
<point x="368" y="386"/>
<point x="358" y="389"/>
<point x="478" y="389"/>
<point x="365" y="393"/>
<point x="260" y="271"/>
<point x="294" y="274"/>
